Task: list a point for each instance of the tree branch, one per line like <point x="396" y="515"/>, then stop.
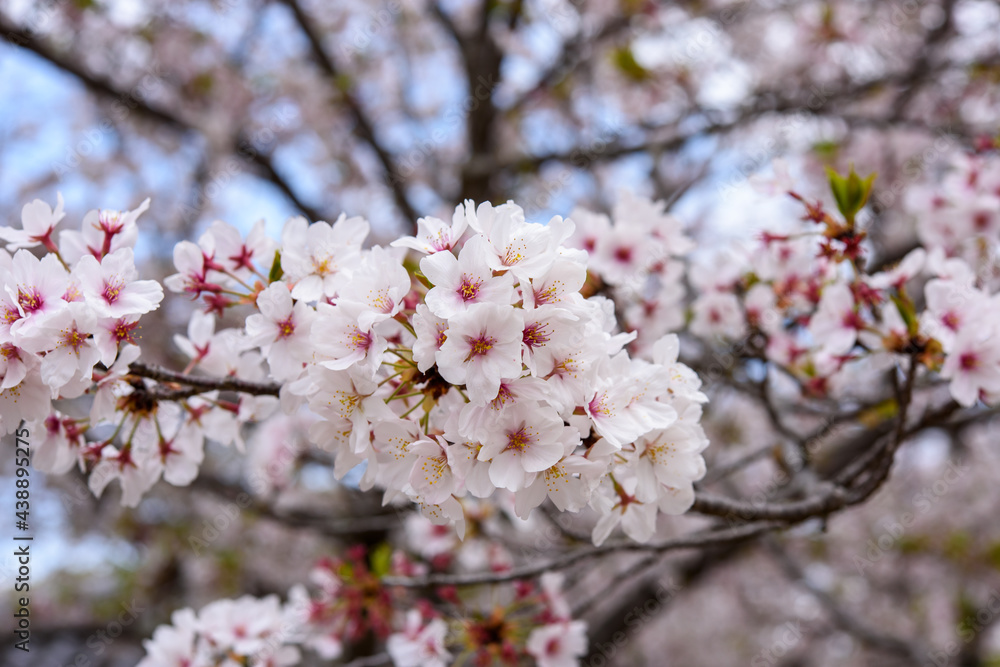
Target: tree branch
<point x="265" y="162"/>
<point x="763" y="102"/>
<point x="200" y="384"/>
<point x="917" y="73"/>
<point x="481" y="58"/>
<point x="105" y="88"/>
<point x="569" y="59"/>
<point x="95" y="83"/>
<point x="365" y="129"/>
<point x="699" y="540"/>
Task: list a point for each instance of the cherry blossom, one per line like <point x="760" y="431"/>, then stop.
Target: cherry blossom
<point x="23" y="394"/>
<point x="282" y="331"/>
<point x="559" y="644"/>
<point x="526" y="249"/>
<point x="621" y="503"/>
<point x="483" y="347"/>
<point x="137" y="474"/>
<point x="102" y="232"/>
<point x="431" y="332"/>
<point x="175" y="644"/>
<point x="192" y="271"/>
<point x="528" y="439"/>
<point x="318" y="257"/>
<point x="180" y="455"/>
<point x="973" y="365"/>
<point x="59" y="449"/>
<point x="567" y="483"/>
<point x="435" y="235"/>
<point x="379" y="285"/>
<point x="34" y="289"/>
<point x="718" y="314"/>
<point x="419" y="645"/>
<point x="241" y="255"/>
<point x="342" y="339"/>
<point x="66" y="336"/>
<point x="625" y="404"/>
<point x="557" y="286"/>
<point x="464" y="281"/>
<point x="499" y="357"/>
<point x="837" y="321"/>
<point x="672" y="458"/>
<point x="432" y="476"/>
<point x="38" y="220"/>
<point x="111" y="288"/>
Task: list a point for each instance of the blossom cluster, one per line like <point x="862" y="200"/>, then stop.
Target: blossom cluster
<point x="473" y="363"/>
<point x="807" y="300"/>
<point x="68" y="325"/>
<point x="637" y="254"/>
<point x="958" y="221"/>
<point x="477" y="357"/>
<point x="349" y="604"/>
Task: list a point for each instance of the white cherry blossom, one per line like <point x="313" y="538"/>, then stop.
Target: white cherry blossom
<point x="558" y="644"/>
<point x="464" y="281"/>
<point x="419" y="645"/>
<point x="483" y="347"/>
<point x="38" y="220"/>
<point x="973" y="365"/>
<point x="318" y="257"/>
<point x="528" y="439"/>
<point x="281" y="330"/>
<point x="111" y="289"/>
<point x="435" y="235"/>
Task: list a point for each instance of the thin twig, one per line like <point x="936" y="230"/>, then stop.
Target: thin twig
<point x="160" y="374"/>
<point x="763" y="103"/>
<point x="105" y="88"/>
<point x="365" y="127"/>
<point x="698" y="540"/>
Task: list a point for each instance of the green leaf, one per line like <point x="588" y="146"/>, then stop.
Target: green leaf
<point x="203" y="83"/>
<point x="826" y="149"/>
<point x="879" y="413"/>
<point x="912" y="544"/>
<point x="276" y="272"/>
<point x="624" y="60"/>
<point x="423" y="279"/>
<point x="993" y="555"/>
<point x="967" y="608"/>
<point x="858" y="190"/>
<point x="851" y="192"/>
<point x="839" y="187"/>
<point x="908" y="313"/>
<point x="344" y="82"/>
<point x="381" y="560"/>
<point x="957" y="545"/>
